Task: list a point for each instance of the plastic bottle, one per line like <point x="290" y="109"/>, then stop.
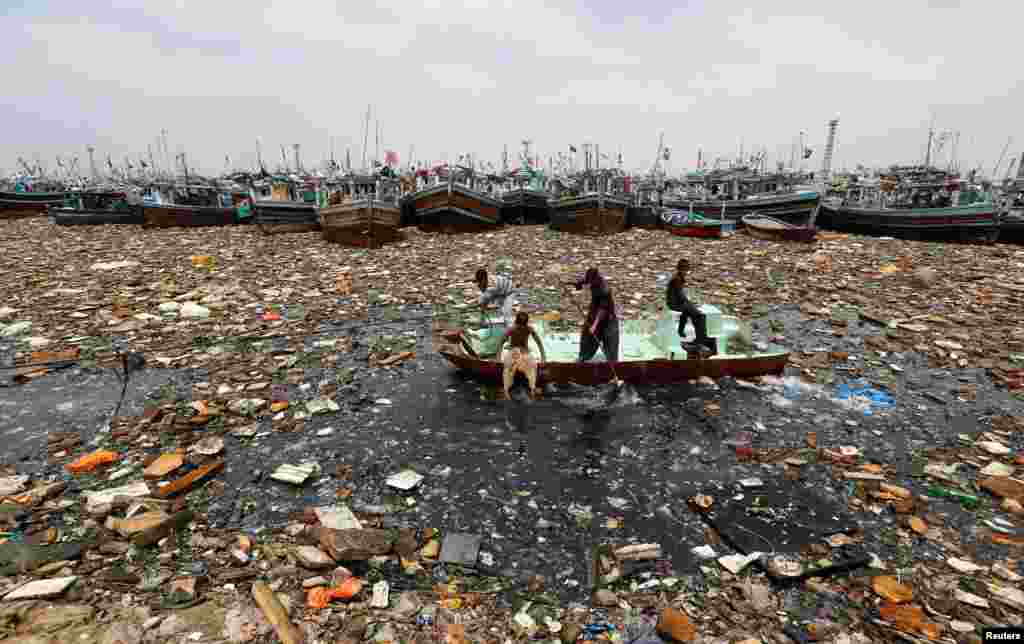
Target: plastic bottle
<point x="969" y="501"/>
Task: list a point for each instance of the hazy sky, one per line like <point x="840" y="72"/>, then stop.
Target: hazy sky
<point x="471" y="76"/>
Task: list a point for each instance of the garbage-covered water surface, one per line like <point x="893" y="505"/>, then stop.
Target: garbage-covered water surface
<point x="270" y="407"/>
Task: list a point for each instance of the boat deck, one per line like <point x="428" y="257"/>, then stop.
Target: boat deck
<point x="639" y="340"/>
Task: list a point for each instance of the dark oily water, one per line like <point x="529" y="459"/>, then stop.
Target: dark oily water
<point x="542" y="483"/>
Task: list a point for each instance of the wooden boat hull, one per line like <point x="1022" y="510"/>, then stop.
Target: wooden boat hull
<point x="793" y="207"/>
<point x="363" y="224"/>
<point x="980" y="222"/>
<point x="49" y="198"/>
<point x="174" y="216"/>
<point x="590" y="215"/>
<point x="455" y="209"/>
<point x="652" y="372"/>
<point x="774" y="230"/>
<point x="1012" y="224"/>
<point x="14" y="205"/>
<point x="646" y="217"/>
<point x="286" y="217"/>
<point x="92" y="217"/>
<point x="718" y="230"/>
<point x="525" y="207"/>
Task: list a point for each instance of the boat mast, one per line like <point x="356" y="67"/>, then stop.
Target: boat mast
<point x="1001" y="155"/>
<point x="928" y="150"/>
<point x="366" y="135"/>
<point x="826" y="167"/>
<point x="284" y="159"/>
<point x="298" y="161"/>
<point x="167" y="153"/>
<point x="92" y="163"/>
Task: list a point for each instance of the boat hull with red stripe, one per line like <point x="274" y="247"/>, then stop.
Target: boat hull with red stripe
<point x="645" y="372"/>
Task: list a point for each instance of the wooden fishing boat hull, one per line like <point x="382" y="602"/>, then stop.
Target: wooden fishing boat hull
<point x="176" y="216"/>
<point x="93" y="217"/>
<point x="1012" y="224"/>
<point x="977" y="222"/>
<point x="716" y="230"/>
<point x="590" y="215"/>
<point x="774" y="230"/>
<point x="525" y="207"/>
<point x="14" y="205"/>
<point x="49" y="198"/>
<point x="455" y="209"/>
<point x="286" y="217"/>
<point x="640" y="372"/>
<point x="362" y="224"/>
<point x="646" y="217"/>
<point x="794" y="207"/>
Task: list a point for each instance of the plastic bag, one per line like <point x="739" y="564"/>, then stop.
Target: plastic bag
<point x="90" y="462"/>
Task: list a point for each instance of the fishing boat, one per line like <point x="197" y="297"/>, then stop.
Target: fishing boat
<point x="650" y="353"/>
<point x="916" y="203"/>
<point x="772" y="229"/>
<point x="291" y="208"/>
<point x="527" y="202"/>
<point x="649" y="195"/>
<point x="196" y="206"/>
<point x="366" y="216"/>
<point x="793" y="205"/>
<point x="525" y="206"/>
<point x="28" y="204"/>
<point x="93" y="207"/>
<point x="649" y="204"/>
<point x="1012" y="224"/>
<point x="455" y="205"/>
<point x="590" y="214"/>
<point x="686" y="224"/>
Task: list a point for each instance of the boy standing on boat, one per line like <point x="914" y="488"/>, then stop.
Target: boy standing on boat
<point x="601" y="328"/>
<point x="676" y="300"/>
<point x="499" y="295"/>
<point x="518" y="358"/>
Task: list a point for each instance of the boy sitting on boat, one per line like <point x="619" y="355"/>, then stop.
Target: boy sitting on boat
<point x="676" y="300"/>
<point x="518" y="359"/>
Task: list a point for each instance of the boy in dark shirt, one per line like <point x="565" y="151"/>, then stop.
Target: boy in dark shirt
<point x="518" y="359"/>
<point x="601" y="328"/>
<point x="676" y="300"/>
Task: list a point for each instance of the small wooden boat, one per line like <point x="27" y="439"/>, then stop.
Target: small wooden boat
<point x="363" y="222"/>
<point x="525" y="206"/>
<point x="454" y="208"/>
<point x="94" y="208"/>
<point x="591" y="214"/>
<point x="775" y="230"/>
<point x="650" y="354"/>
<point x="28" y="204"/>
<point x="685" y="224"/>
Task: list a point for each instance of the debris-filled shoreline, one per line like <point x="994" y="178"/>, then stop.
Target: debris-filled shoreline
<point x="290" y="458"/>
